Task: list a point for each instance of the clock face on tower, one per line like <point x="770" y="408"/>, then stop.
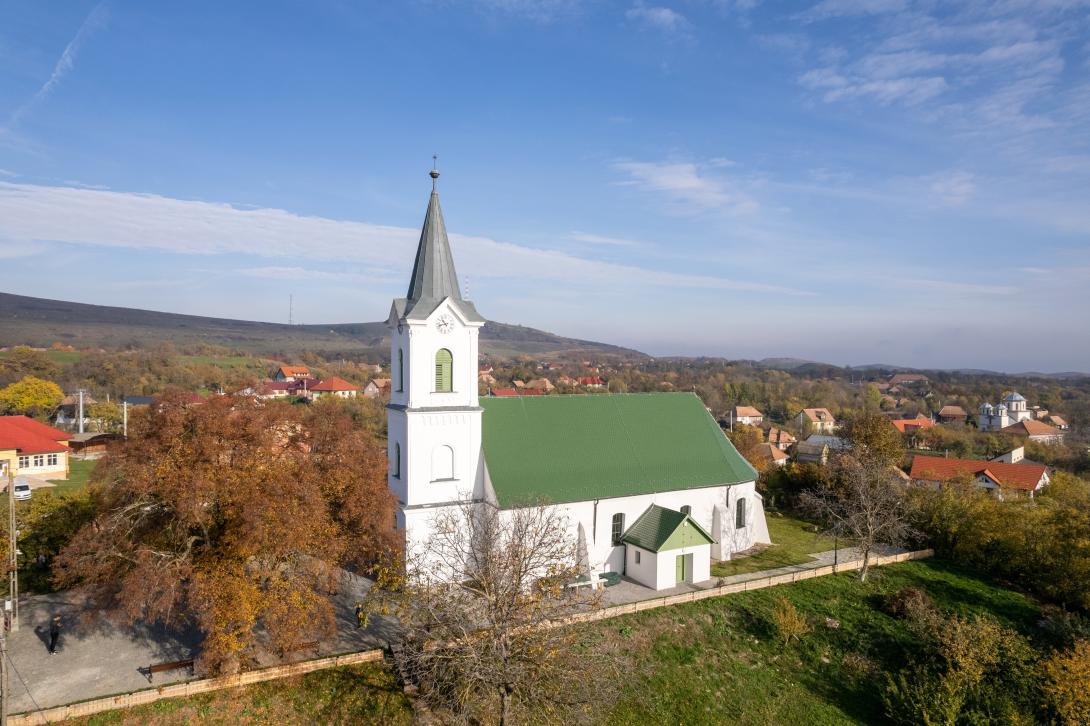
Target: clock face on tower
<point x="444" y="324"/>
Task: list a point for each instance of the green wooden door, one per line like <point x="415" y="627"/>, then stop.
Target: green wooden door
<point x="680" y="569"/>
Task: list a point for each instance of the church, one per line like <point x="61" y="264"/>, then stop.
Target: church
<point x="649" y="485"/>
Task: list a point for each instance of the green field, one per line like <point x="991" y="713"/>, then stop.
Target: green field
<point x="711" y="662"/>
<point x="793" y="541"/>
<point x="63" y="357"/>
<point x="79" y="471"/>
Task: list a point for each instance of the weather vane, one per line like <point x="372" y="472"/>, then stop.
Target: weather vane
<point x="434" y="170"/>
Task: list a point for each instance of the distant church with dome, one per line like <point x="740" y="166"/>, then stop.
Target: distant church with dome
<point x="650" y="486"/>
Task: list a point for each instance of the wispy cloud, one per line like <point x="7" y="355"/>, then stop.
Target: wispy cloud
<point x="32" y="213"/>
<point x="597" y="239"/>
<point x="953" y="188"/>
<point x="661" y="18"/>
<point x="841" y="8"/>
<point x="94" y="20"/>
<point x="9" y="174"/>
<point x="688" y="186"/>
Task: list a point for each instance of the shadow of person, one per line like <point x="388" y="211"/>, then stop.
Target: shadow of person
<point x="43" y="635"/>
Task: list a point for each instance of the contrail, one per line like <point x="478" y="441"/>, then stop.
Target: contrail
<point x="65" y="63"/>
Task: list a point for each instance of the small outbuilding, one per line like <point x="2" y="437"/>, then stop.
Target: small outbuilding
<point x="664" y="548"/>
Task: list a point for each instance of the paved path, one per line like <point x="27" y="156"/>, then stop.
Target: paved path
<point x="99" y="658"/>
<point x="629" y="591"/>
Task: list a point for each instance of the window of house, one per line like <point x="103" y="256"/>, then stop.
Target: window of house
<point x="395" y="465"/>
<point x="617" y="528"/>
<point x="443" y="363"/>
<point x="686" y="510"/>
<point x="637" y="557"/>
<point x="52" y="459"/>
<point x="740" y="514"/>
<point x="400" y="370"/>
<point x="39" y="460"/>
<point x="24" y="461"/>
<point x="442" y="463"/>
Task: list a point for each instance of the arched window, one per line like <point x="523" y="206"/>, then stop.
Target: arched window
<point x="395" y="465"/>
<point x="444" y="362"/>
<point x="617" y="529"/>
<point x="740" y="514"/>
<point x="400" y="370"/>
<point x="442" y="463"/>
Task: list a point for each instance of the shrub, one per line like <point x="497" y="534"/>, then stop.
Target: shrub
<point x="910" y="603"/>
<point x="1066" y="684"/>
<point x="788" y="622"/>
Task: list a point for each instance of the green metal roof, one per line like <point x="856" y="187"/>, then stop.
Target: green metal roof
<point x="571" y="448"/>
<point x="659" y="529"/>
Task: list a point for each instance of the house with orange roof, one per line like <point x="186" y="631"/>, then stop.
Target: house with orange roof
<point x="377" y="388"/>
<point x="820" y="420"/>
<point x="748" y="415"/>
<point x="912" y="425"/>
<point x="781" y="439"/>
<point x="292" y="373"/>
<point x="1001" y="477"/>
<point x="333" y="387"/>
<point x="1034" y="430"/>
<point x="30" y="447"/>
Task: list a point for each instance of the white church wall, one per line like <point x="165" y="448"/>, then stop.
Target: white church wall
<point x="424" y="341"/>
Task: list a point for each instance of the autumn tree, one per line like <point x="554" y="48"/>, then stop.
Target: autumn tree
<point x="872" y="436"/>
<point x="30" y="396"/>
<point x="747" y="440"/>
<point x="233" y="515"/>
<point x="864" y="501"/>
<point x="483" y="607"/>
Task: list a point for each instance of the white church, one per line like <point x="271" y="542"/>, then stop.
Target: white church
<point x="650" y="486"/>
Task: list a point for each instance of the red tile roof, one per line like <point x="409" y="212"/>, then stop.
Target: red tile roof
<point x="333" y="383"/>
<point x="28" y="436"/>
<point x="1013" y="476"/>
<point x="508" y="392"/>
<point x="740" y="411"/>
<point x="912" y="424"/>
<point x="1030" y="427"/>
<point x="590" y="381"/>
<point x="818" y="415"/>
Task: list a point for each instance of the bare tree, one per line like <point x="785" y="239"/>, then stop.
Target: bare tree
<point x="864" y="501"/>
<point x="486" y="618"/>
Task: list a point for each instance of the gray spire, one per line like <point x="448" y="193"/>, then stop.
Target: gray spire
<point x="434" y="278"/>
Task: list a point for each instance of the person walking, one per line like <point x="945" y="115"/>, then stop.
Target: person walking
<point x="54" y="634"/>
<point x="361" y="616"/>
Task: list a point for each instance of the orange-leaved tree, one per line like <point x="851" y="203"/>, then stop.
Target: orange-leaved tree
<point x="235" y="516"/>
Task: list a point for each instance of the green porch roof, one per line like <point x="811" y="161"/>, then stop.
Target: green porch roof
<point x="571" y="448"/>
<point x="659" y="529"/>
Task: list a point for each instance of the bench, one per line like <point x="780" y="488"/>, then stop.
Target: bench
<point x="593" y="584"/>
<point x="171" y="666"/>
<point x="306" y="645"/>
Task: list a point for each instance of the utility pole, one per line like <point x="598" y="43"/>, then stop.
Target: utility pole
<point x="124" y="418"/>
<point x="13" y="556"/>
<point x="81" y="410"/>
<point x="3" y="677"/>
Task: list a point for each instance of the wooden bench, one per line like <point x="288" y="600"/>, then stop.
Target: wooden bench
<point x="171" y="666"/>
<point x="593" y="584"/>
<point x="306" y="645"/>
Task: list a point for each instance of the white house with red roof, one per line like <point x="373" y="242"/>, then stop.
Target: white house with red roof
<point x="30" y="447"/>
<point x="999" y="476"/>
<point x="335" y="387"/>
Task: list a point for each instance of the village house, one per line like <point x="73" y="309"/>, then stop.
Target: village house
<point x="1037" y="431"/>
<point x="912" y="425"/>
<point x="591" y="382"/>
<point x="953" y="416"/>
<point x="30" y="447"/>
<point x="647" y="483"/>
<point x="907" y="379"/>
<point x="543" y="384"/>
<point x="66" y="414"/>
<point x="377" y="388"/>
<point x="771" y="454"/>
<point x="780" y="438"/>
<point x="333" y="387"/>
<point x="292" y="373"/>
<point x="1057" y="421"/>
<point x="820" y="420"/>
<point x="1006" y="476"/>
<point x="747" y="415"/>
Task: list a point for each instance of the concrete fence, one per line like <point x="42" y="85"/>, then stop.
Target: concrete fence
<point x="758" y="583"/>
<point x="203" y="685"/>
<point x="189" y="688"/>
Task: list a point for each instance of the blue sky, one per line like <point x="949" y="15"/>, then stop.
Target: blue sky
<point x="848" y="181"/>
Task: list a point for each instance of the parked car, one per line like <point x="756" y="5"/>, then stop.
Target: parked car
<point x="22" y="490"/>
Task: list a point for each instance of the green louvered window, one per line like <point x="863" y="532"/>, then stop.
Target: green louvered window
<point x="443" y="365"/>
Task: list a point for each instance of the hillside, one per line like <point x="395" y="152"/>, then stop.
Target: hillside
<point x="40" y="322"/>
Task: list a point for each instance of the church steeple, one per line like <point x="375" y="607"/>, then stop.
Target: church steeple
<point x="434" y="278"/>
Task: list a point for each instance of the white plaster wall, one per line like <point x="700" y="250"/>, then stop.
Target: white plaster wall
<point x="645" y="572"/>
<point x="420" y="342"/>
<point x="666" y="565"/>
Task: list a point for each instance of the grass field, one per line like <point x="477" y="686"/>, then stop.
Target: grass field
<point x="63" y="357"/>
<point x="793" y="541"/>
<point x="717" y="661"/>
<point x="711" y="662"/>
<point x="79" y="471"/>
<point x="366" y="694"/>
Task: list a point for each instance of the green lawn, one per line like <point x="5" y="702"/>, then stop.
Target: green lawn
<point x="365" y="694"/>
<point x="79" y="471"/>
<point x="716" y="661"/>
<point x="793" y="540"/>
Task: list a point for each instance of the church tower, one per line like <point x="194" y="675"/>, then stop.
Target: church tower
<point x="433" y="418"/>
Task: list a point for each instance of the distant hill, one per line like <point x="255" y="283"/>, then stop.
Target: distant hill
<point x="40" y="322"/>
